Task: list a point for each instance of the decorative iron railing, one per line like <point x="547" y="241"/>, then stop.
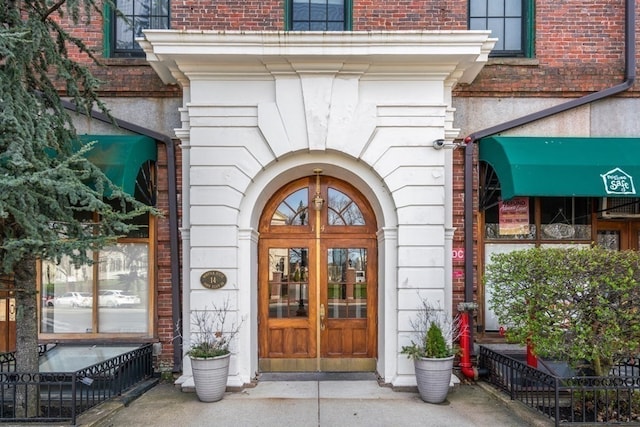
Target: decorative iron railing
<point x="8" y="360"/>
<point x="574" y="399"/>
<point x="62" y="396"/>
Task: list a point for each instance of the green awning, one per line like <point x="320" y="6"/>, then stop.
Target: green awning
<point x="563" y="167"/>
<point x="121" y="156"/>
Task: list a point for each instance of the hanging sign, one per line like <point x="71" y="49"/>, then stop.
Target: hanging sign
<point x="213" y="279"/>
<point x="514" y="216"/>
<point x="617" y="181"/>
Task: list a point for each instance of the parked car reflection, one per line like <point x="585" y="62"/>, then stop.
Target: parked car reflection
<point x="73" y="299"/>
<point x="117" y="298"/>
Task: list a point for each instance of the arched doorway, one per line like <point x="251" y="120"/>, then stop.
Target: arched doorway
<point x="317" y="293"/>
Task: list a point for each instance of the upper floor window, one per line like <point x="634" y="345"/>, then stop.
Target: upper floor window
<point x="318" y="15"/>
<point x="508" y="22"/>
<point x="132" y="17"/>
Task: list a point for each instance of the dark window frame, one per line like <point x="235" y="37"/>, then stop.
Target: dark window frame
<point x="291" y="24"/>
<point x="110" y="45"/>
<point x="527" y="28"/>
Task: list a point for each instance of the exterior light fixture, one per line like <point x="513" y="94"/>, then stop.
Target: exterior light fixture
<point x="318" y="201"/>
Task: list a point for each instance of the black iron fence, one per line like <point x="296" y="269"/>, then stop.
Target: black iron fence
<point x="62" y="396"/>
<point x="8" y="360"/>
<point x="568" y="399"/>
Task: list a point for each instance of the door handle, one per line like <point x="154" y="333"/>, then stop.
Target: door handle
<point x="322" y="317"/>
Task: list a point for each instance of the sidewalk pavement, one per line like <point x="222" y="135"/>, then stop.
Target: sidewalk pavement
<point x="315" y="404"/>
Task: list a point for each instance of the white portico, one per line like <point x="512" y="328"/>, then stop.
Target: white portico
<point x="261" y="111"/>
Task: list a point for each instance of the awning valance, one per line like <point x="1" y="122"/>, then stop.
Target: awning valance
<point x="121" y="156"/>
<point x="563" y="166"/>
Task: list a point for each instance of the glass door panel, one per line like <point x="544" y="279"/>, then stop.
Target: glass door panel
<point x="347" y="285"/>
<point x="347" y="326"/>
<point x="288" y="283"/>
<point x="287" y="293"/>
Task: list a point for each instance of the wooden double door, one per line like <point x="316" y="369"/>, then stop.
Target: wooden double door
<point x="317" y="279"/>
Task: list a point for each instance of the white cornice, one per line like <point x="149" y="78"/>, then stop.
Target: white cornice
<point x="175" y="54"/>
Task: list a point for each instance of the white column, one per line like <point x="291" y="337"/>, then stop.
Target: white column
<point x="247" y="356"/>
<point x="388" y="303"/>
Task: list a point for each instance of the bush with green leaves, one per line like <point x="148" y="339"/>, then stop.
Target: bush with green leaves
<point x="576" y="305"/>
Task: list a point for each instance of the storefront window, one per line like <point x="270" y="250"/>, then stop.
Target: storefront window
<point x="119" y="279"/>
<point x="111" y="296"/>
<point x="123" y="288"/>
<point x="67" y="297"/>
<point x="510" y="219"/>
<point x="560" y="218"/>
<point x="565" y="218"/>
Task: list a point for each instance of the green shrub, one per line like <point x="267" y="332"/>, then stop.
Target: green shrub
<point x="430" y="326"/>
<point x="436" y="346"/>
<point x="577" y="305"/>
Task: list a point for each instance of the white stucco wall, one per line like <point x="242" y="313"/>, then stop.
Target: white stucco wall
<point x="262" y="109"/>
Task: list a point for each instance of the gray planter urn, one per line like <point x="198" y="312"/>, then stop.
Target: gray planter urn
<point x="433" y="377"/>
<point x="210" y="377"/>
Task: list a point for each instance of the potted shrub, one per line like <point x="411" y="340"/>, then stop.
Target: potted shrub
<point x="432" y="352"/>
<point x="211" y="335"/>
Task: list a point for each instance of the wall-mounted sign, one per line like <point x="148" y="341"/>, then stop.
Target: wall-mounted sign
<point x="514" y="216"/>
<point x="617" y="181"/>
<point x="213" y="279"/>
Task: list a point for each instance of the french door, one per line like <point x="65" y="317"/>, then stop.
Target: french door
<point x="317" y="279"/>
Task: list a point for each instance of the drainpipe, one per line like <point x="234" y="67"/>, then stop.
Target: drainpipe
<point x="173" y="217"/>
<point x="630" y="76"/>
<point x="466" y="344"/>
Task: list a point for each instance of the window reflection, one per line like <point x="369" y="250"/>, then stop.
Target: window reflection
<point x="342" y="210"/>
<point x="317" y="15"/>
<point x="347" y="283"/>
<point x="288" y="282"/>
<point x="609" y="239"/>
<point x="294" y="210"/>
<point x="67" y="297"/>
<point x="120" y="293"/>
<point x="123" y="288"/>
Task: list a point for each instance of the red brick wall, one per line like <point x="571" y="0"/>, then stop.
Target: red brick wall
<point x="165" y="328"/>
<point x="247" y="15"/>
<point x="367" y="15"/>
<point x="579" y="48"/>
<point x="371" y="15"/>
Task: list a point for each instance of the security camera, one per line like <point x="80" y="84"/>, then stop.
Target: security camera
<point x="438" y="144"/>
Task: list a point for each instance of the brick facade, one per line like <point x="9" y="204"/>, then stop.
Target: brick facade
<point x="579" y="48"/>
<point x="572" y="56"/>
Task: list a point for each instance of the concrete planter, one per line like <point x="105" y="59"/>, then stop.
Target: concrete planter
<point x="210" y="377"/>
<point x="433" y="377"/>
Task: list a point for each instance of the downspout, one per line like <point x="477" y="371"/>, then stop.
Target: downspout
<point x="630" y="76"/>
<point x="173" y="217"/>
